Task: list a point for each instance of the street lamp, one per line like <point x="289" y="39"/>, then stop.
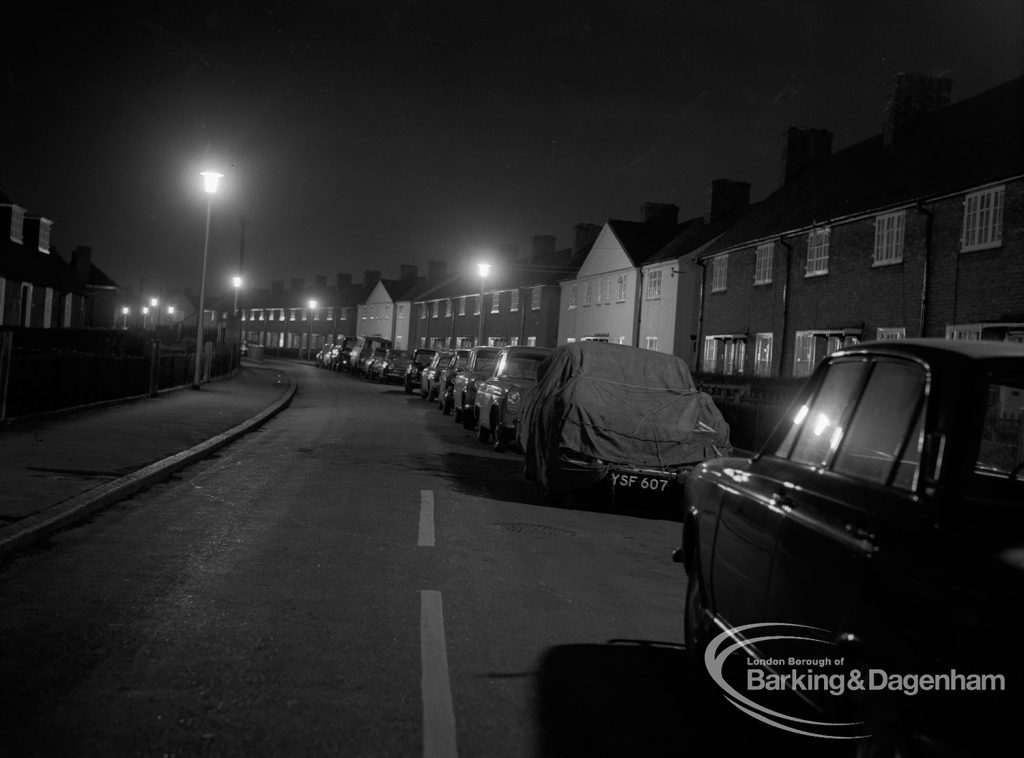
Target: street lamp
<point x="482" y="269"/>
<point x="210" y="181"/>
<point x="156" y="312"/>
<point x="236" y="282"/>
<point x="124" y="317"/>
<point x="145" y="312"/>
<point x="309" y="341"/>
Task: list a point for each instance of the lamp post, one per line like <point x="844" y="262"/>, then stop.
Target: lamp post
<point x="210" y="181"/>
<point x="482" y="269"/>
<point x="309" y="341"/>
<point x="153" y="303"/>
<point x="145" y="312"/>
<point x="124" y="317"/>
<point x="236" y="282"/>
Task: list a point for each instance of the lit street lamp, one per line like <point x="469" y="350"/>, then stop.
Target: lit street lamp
<point x="236" y="282"/>
<point x="124" y="317"/>
<point x="156" y="312"/>
<point x="309" y="342"/>
<point x="210" y="181"/>
<point x="145" y="312"/>
<point x="482" y="269"/>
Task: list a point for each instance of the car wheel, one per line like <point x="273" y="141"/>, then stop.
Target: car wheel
<point x="446" y="404"/>
<point x="468" y="422"/>
<point x="456" y="413"/>
<point x="483" y="433"/>
<point x="500" y="444"/>
<point x="697" y="632"/>
<point x="408" y="388"/>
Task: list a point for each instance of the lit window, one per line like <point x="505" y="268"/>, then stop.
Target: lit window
<point x="462" y="306"/>
<point x="435" y="309"/>
<point x="889" y="238"/>
<point x="963" y="332"/>
<point x="817" y="251"/>
<point x="513" y="301"/>
<point x="448" y="308"/>
<point x="44" y="235"/>
<point x="477" y="301"/>
<point x="17" y="223"/>
<point x="654" y="284"/>
<point x="495" y="302"/>
<point x="764" y="260"/>
<point x="983" y="219"/>
<point x="734" y="355"/>
<point x="535" y="299"/>
<point x="763" y="354"/>
<point x="803" y="354"/>
<point x="571" y="297"/>
<point x="651" y="343"/>
<point x="891" y="333"/>
<point x="423" y="311"/>
<point x="622" y="288"/>
<point x="719" y="272"/>
<point x="587" y="293"/>
<point x="710" y="355"/>
<point x="531" y="341"/>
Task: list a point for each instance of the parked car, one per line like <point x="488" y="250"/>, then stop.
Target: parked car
<point x="479" y="366"/>
<point x="421" y="358"/>
<point x="615" y="415"/>
<point x="367" y="351"/>
<point x="499" y="402"/>
<point x="395" y="365"/>
<point x="323" y="353"/>
<point x="886" y="509"/>
<point x="446" y="380"/>
<point x="341" y="354"/>
<point x="427" y="380"/>
<point x="374" y="364"/>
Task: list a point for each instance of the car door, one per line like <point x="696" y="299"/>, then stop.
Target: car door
<point x="854" y="462"/>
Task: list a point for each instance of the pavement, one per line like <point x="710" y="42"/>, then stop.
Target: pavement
<point x="57" y="469"/>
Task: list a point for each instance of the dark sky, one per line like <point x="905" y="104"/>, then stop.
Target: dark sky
<point x="362" y="135"/>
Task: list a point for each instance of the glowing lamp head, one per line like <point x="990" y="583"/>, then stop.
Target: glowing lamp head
<point x="124" y="310"/>
<point x="312" y="304"/>
<point x="153" y="302"/>
<point x="210" y="180"/>
<point x="236" y="281"/>
<point x="483" y="269"/>
<point x="170" y="310"/>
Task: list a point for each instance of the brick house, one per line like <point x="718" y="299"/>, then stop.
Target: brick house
<point x="38" y="288"/>
<point x="386" y="311"/>
<point x="520" y="301"/>
<point x="917" y="231"/>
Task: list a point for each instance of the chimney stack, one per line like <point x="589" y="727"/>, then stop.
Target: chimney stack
<point x="436" y="271"/>
<point x="541" y="245"/>
<point x="725" y="196"/>
<point x="660" y="213"/>
<point x="802" y="148"/>
<point x="911" y="98"/>
<point x="585" y="234"/>
<point x="406" y="271"/>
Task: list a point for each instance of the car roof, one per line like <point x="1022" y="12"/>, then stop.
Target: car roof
<point x="936" y="350"/>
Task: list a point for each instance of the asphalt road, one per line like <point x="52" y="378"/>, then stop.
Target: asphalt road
<point x="360" y="577"/>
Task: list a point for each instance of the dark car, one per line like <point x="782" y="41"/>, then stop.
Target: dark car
<point x="394" y="366"/>
<point x="374" y="365"/>
<point x="428" y="381"/>
<point x="341" y="354"/>
<point x="446" y="380"/>
<point x="887" y="512"/>
<point x="617" y="418"/>
<point x="369" y="348"/>
<point x="499" y="402"/>
<point x="479" y="366"/>
<point x="421" y="358"/>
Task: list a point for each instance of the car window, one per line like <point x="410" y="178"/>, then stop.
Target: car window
<point x="484" y="364"/>
<point x="1001" y="448"/>
<point x="523" y="368"/>
<point x="816" y="427"/>
<point x="881" y="432"/>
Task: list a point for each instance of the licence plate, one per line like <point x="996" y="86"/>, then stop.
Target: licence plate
<point x="637" y="481"/>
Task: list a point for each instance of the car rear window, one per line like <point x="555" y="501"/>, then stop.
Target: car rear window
<point x="1001" y="448"/>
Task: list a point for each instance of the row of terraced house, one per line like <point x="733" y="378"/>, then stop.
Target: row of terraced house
<point x="916" y="231"/>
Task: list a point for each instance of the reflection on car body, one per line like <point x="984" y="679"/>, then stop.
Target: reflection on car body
<point x="394" y="366"/>
<point x="421" y="358"/>
<point x="499" y="402"/>
<point x="888" y="510"/>
<point x="479" y="366"/>
<point x="446" y="380"/>
<point x="428" y="381"/>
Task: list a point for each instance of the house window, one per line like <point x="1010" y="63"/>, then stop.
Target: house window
<point x="47" y="307"/>
<point x="513" y="305"/>
<point x="889" y="238"/>
<point x="983" y="219"/>
<point x="763" y="354"/>
<point x="963" y="332"/>
<point x="344" y="314"/>
<point x="654" y="284"/>
<point x="292" y="312"/>
<point x="600" y="292"/>
<point x="606" y="287"/>
<point x="535" y="299"/>
<point x="423" y="311"/>
<point x="448" y="308"/>
<point x="17" y="224"/>
<point x="514" y="340"/>
<point x="495" y="302"/>
<point x="891" y="333"/>
<point x="571" y="297"/>
<point x="621" y="297"/>
<point x="733" y="357"/>
<point x="462" y="306"/>
<point x="3" y="297"/>
<point x="477" y="303"/>
<point x="719" y="272"/>
<point x="710" y="355"/>
<point x="67" y="308"/>
<point x="587" y="293"/>
<point x="803" y="354"/>
<point x="44" y="235"/>
<point x="651" y="343"/>
<point x="817" y="252"/>
<point x="531" y="342"/>
<point x="401" y="310"/>
<point x="764" y="262"/>
<point x="435" y="309"/>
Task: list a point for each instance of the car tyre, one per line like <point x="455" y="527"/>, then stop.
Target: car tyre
<point x="483" y="434"/>
<point x="500" y="444"/>
<point x="446" y="404"/>
<point x="468" y="422"/>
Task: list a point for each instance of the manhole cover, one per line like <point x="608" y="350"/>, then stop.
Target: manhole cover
<point x="521" y="528"/>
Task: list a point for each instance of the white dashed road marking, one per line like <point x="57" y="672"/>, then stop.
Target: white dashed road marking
<point x="438" y="713"/>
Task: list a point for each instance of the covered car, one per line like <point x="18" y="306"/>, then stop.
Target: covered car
<point x="626" y="415"/>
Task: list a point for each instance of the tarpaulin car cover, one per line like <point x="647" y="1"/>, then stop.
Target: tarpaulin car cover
<point x="618" y="404"/>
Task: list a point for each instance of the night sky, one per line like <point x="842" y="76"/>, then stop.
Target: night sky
<point x="364" y="135"/>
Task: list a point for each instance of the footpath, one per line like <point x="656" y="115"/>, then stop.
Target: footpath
<point x="59" y="468"/>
